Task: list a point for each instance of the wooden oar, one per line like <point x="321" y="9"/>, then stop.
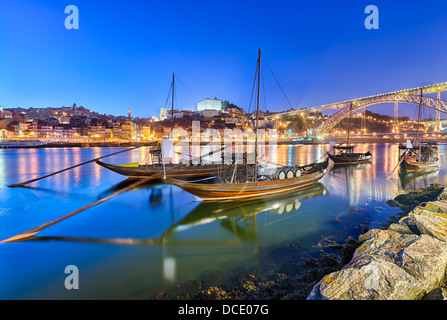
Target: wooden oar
<point x="31" y="232"/>
<point x="78" y="165"/>
<point x="400" y="161"/>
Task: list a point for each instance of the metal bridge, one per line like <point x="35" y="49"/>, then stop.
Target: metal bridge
<point x="412" y="96"/>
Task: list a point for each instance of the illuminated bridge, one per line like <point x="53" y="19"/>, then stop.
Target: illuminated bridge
<point x="413" y="96"/>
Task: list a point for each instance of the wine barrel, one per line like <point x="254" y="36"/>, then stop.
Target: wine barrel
<point x="289" y="172"/>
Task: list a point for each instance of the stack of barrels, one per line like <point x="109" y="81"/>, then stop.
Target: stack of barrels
<point x="279" y="173"/>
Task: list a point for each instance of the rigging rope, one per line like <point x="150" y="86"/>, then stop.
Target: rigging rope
<point x="186" y="88"/>
<point x="253" y="89"/>
<point x="277" y="81"/>
<point x="169" y="94"/>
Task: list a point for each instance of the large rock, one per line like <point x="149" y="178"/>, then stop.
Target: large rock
<point x="389" y="265"/>
<point x="404" y="262"/>
<point x="433" y="223"/>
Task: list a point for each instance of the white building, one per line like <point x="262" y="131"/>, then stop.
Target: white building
<point x="210" y="104"/>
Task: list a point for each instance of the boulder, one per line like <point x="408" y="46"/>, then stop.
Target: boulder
<point x="433" y="223"/>
<point x="408" y="261"/>
<point x="390" y="266"/>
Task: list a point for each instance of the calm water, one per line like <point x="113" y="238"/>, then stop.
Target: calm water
<point x="158" y="234"/>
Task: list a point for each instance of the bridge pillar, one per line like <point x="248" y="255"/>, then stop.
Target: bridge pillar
<point x="396" y="112"/>
<point x="396" y="117"/>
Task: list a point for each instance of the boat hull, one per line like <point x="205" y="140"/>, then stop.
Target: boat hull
<point x="411" y="166"/>
<point x="259" y="189"/>
<point x="350" y="158"/>
<point x="142" y="171"/>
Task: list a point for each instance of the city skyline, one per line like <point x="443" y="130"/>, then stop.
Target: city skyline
<point x="123" y="56"/>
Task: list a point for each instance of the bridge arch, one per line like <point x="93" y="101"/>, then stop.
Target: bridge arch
<point x="356" y="105"/>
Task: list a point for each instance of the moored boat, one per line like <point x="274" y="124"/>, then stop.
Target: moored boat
<point x="423" y="158"/>
<point x="347" y="156"/>
<point x="137" y="171"/>
<point x="217" y="190"/>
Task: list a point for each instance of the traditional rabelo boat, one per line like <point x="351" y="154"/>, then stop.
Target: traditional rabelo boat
<point x="254" y="180"/>
<point x="139" y="171"/>
<point x="419" y="158"/>
<point x="422" y="157"/>
<point x="345" y="154"/>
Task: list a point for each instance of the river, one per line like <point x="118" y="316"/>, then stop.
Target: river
<point x="159" y="235"/>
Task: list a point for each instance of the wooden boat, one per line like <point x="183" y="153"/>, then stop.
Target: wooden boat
<point x="347" y="156"/>
<point x="255" y="184"/>
<point x="217" y="190"/>
<point x="423" y="158"/>
<point x="345" y="153"/>
<point x="137" y="171"/>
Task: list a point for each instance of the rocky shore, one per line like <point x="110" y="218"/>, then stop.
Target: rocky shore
<point x="406" y="261"/>
<point x="381" y="264"/>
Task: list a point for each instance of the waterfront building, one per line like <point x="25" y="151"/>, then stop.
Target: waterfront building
<point x="128" y="130"/>
<point x="100" y="132"/>
<point x="7" y="115"/>
<point x="209" y="113"/>
<point x="210" y="104"/>
<point x="4" y="123"/>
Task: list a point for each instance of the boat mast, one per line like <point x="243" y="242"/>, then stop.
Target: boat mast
<point x="257" y="117"/>
<point x="172" y="108"/>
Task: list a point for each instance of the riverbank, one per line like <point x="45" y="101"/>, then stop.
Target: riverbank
<point x="79" y="145"/>
<point x="406" y="261"/>
<point x="297" y="278"/>
<point x="382" y="139"/>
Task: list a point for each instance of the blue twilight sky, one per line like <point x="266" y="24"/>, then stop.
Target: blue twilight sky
<point x="124" y="52"/>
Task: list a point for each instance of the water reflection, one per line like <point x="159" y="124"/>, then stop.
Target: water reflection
<point x="232" y="212"/>
<point x="161" y="232"/>
<point x="414" y="180"/>
<point x="235" y="224"/>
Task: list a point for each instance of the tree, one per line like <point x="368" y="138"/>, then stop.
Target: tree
<point x="228" y="104"/>
<point x="298" y="124"/>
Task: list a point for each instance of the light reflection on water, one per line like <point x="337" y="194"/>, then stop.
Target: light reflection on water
<point x="158" y="234"/>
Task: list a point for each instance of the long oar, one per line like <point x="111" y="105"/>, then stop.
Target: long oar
<point x="400" y="161"/>
<point x="31" y="232"/>
<point x="78" y="165"/>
